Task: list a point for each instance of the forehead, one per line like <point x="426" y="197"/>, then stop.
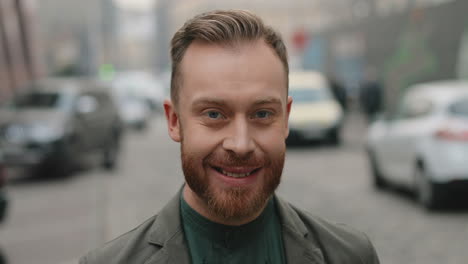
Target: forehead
<point x="244" y="69"/>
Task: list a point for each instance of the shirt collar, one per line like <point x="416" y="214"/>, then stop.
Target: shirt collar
<point x="166" y="231"/>
<point x="226" y="236"/>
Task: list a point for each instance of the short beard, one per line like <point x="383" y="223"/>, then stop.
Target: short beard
<point x="237" y="203"/>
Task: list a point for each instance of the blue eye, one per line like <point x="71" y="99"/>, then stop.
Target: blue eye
<point x="262" y="114"/>
<point x="213" y="115"/>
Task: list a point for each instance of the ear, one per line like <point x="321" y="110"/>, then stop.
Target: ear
<point x="288" y="111"/>
<point x="172" y="119"/>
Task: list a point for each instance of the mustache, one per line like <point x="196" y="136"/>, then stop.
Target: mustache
<point x="233" y="160"/>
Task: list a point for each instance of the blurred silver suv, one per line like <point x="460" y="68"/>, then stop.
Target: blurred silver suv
<point x="56" y="122"/>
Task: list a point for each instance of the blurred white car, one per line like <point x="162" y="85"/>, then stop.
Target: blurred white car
<point x="424" y="143"/>
<point x="134" y="112"/>
<point x="315" y="114"/>
<point x="138" y="94"/>
<point x="140" y="85"/>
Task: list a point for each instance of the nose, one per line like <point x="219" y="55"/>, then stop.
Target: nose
<point x="239" y="139"/>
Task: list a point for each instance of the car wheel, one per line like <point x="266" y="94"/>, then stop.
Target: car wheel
<point x="68" y="161"/>
<point x="378" y="181"/>
<point x="3" y="258"/>
<point x="334" y="137"/>
<point x="428" y="193"/>
<point x="65" y="168"/>
<point x="58" y="166"/>
<point x="110" y="154"/>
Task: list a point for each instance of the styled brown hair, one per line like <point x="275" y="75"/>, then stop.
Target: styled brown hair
<point x="230" y="28"/>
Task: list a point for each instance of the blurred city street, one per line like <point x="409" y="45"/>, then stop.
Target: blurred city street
<point x="83" y="78"/>
<point x="56" y="220"/>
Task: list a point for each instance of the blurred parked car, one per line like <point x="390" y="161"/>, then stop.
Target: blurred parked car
<point x="315" y="114"/>
<point x="138" y="94"/>
<point x="140" y="85"/>
<point x="3" y="194"/>
<point x="58" y="121"/>
<point x="134" y="112"/>
<point x="424" y="144"/>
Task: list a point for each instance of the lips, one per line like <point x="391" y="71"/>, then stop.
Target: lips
<point x="236" y="172"/>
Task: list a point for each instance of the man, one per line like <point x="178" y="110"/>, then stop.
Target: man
<point x="370" y="94"/>
<point x="339" y="92"/>
<point x="229" y="110"/>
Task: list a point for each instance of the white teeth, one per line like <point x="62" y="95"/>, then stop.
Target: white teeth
<point x="236" y="175"/>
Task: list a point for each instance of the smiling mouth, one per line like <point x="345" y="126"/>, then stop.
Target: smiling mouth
<point x="235" y="174"/>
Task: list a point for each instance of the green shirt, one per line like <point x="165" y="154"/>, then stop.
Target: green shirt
<point x="259" y="241"/>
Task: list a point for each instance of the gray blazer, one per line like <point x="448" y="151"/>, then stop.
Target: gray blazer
<point x="307" y="239"/>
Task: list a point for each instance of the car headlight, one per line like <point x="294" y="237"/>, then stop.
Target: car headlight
<point x="15" y="134"/>
<point x="43" y="133"/>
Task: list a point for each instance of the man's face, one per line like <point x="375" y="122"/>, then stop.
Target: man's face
<point x="232" y="122"/>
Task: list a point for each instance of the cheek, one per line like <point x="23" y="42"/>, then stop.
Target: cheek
<point x="271" y="141"/>
<point x="198" y="141"/>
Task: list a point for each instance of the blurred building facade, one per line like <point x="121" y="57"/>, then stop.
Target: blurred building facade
<point x="402" y="41"/>
<point x="77" y="36"/>
<point x="288" y="17"/>
<point x="291" y="18"/>
<point x="135" y="39"/>
<point x="19" y="61"/>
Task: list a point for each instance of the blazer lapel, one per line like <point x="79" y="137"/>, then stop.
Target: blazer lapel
<point x="299" y="244"/>
<point x="166" y="233"/>
<point x="171" y="253"/>
<point x="300" y="251"/>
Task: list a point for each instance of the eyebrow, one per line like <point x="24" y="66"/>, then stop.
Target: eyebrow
<point x="209" y="101"/>
<point x="223" y="102"/>
<point x="267" y="100"/>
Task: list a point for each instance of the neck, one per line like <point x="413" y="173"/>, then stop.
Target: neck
<point x="200" y="206"/>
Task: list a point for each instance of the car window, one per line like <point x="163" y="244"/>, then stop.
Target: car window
<point x="460" y="108"/>
<point x="68" y="100"/>
<point x="36" y="100"/>
<point x="414" y="107"/>
<point x="301" y="95"/>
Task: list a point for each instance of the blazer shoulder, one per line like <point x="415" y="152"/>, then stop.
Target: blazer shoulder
<point x="131" y="247"/>
<point x="339" y="242"/>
